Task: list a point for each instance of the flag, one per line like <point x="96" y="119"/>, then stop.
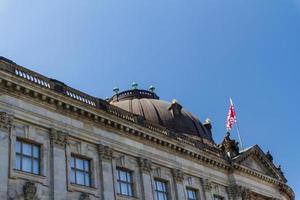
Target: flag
<point x="231" y="118"/>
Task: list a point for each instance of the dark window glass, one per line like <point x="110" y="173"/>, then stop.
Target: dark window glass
<point x="161" y="190"/>
<point x="80" y="171"/>
<point x="218" y="198"/>
<point x="191" y="194"/>
<point x="124" y="182"/>
<point x="27" y="157"/>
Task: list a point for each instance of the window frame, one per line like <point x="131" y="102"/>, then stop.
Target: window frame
<point x="31" y="156"/>
<point x="85" y="172"/>
<point x="195" y="191"/>
<point x="129" y="183"/>
<point x="165" y="191"/>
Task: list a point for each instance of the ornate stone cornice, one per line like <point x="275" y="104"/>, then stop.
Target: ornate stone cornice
<point x="178" y="175"/>
<point x="6" y="121"/>
<point x="29" y="191"/>
<point x="105" y="152"/>
<point x="58" y="138"/>
<point x="145" y="165"/>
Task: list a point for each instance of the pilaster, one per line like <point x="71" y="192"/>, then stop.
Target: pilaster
<point x="6" y="121"/>
<point x="178" y="177"/>
<point x="106" y="172"/>
<point x="145" y="172"/>
<point x="58" y="141"/>
<point x="207" y="189"/>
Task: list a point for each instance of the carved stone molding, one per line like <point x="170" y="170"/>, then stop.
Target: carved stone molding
<point x="145" y="165"/>
<point x="237" y="191"/>
<point x="207" y="185"/>
<point x="84" y="196"/>
<point x="58" y="138"/>
<point x="178" y="175"/>
<point x="105" y="152"/>
<point x="5" y="121"/>
<point x="29" y="190"/>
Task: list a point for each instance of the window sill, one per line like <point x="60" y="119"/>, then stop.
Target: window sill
<point x="18" y="174"/>
<point x="125" y="197"/>
<point x="85" y="189"/>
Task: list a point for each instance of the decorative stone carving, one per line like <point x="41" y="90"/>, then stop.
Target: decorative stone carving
<point x="58" y="138"/>
<point x="105" y="152"/>
<point x="178" y="175"/>
<point x="229" y="146"/>
<point x="29" y="190"/>
<point x="145" y="165"/>
<point x="235" y="191"/>
<point x="84" y="196"/>
<point x="269" y="156"/>
<point x="5" y="121"/>
<point x="246" y="194"/>
<point x="207" y="185"/>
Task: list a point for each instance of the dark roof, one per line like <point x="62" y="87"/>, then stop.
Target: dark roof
<point x="168" y="114"/>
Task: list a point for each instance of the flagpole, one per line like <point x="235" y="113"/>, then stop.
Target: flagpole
<point x="238" y="128"/>
<point x="239" y="135"/>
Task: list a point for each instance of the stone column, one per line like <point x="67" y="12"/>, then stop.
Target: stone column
<point x="5" y="129"/>
<point x="145" y="173"/>
<point x="58" y="141"/>
<point x="106" y="172"/>
<point x="178" y="177"/>
<point x="207" y="189"/>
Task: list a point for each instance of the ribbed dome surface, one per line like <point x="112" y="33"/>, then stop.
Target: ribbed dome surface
<point x="169" y="115"/>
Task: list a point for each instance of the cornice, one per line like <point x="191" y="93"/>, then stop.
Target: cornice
<point x="20" y="81"/>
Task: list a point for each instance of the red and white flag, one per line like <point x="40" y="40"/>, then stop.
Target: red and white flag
<point x="231" y="118"/>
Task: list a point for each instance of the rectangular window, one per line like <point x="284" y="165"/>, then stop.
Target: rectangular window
<point x="124" y="182"/>
<point x="191" y="194"/>
<point x="161" y="190"/>
<point x="27" y="157"/>
<point x="80" y="171"/>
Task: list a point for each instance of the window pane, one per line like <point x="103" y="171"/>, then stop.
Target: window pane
<point x="87" y="179"/>
<point x="161" y="196"/>
<point x="18" y="162"/>
<point x="129" y="190"/>
<point x="72" y="176"/>
<point x="122" y="175"/>
<point x="80" y="177"/>
<point x="86" y="165"/>
<point x="18" y="146"/>
<point x="124" y="189"/>
<point x="36" y="151"/>
<point x="36" y="166"/>
<point x="72" y="162"/>
<point x="26" y="149"/>
<point x="79" y="164"/>
<point x="26" y="164"/>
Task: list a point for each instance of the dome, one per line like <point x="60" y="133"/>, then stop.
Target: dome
<point x="168" y="114"/>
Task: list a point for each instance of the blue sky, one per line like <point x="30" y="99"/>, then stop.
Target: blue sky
<point x="200" y="52"/>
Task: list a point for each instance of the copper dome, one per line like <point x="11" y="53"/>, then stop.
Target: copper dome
<point x="170" y="115"/>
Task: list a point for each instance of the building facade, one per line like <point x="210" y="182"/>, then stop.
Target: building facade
<point x="59" y="143"/>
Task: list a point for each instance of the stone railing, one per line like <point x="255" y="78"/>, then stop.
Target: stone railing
<point x="60" y="87"/>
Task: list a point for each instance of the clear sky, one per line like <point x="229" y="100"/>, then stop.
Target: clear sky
<point x="200" y="52"/>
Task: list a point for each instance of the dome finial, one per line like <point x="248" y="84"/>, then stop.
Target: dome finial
<point x="151" y="88"/>
<point x="116" y="90"/>
<point x="134" y="85"/>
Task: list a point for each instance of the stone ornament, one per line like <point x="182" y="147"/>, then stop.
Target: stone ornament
<point x="29" y="190"/>
<point x="58" y="138"/>
<point x="84" y="196"/>
<point x="178" y="175"/>
<point x="5" y="121"/>
<point x="105" y="152"/>
<point x="237" y="191"/>
<point x="207" y="185"/>
<point x="145" y="165"/>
